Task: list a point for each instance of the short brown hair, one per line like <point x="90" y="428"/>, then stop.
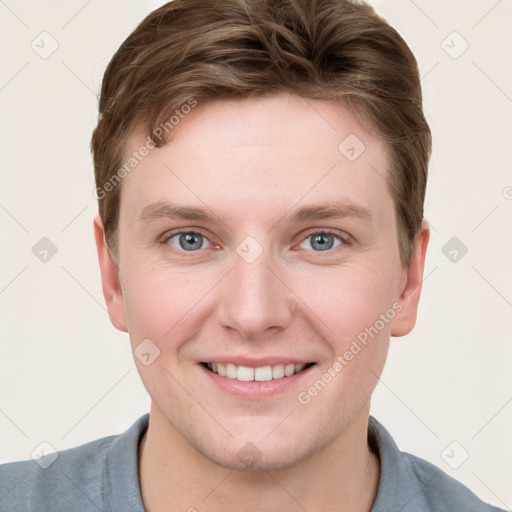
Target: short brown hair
<point x="318" y="49"/>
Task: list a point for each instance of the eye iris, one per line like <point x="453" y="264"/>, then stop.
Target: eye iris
<point x="193" y="240"/>
<point x="322" y="241"/>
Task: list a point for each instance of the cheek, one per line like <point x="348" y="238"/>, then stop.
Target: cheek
<point x="356" y="306"/>
<point x="164" y="307"/>
<point x="165" y="304"/>
<point x="348" y="299"/>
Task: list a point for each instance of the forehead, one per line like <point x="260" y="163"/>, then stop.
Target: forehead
<point x="274" y="151"/>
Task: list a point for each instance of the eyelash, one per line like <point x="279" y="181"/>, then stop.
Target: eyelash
<point x="344" y="240"/>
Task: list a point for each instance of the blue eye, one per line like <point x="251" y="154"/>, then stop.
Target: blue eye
<point x="187" y="241"/>
<point x="323" y="241"/>
<point x="191" y="241"/>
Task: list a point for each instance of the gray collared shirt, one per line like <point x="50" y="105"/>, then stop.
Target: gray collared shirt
<point x="102" y="476"/>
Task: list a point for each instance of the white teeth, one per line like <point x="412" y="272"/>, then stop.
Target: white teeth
<point x="278" y="371"/>
<point x="245" y="373"/>
<point x="289" y="369"/>
<point x="261" y="374"/>
<point x="231" y="370"/>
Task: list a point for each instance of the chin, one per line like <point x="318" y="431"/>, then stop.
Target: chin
<point x="257" y="453"/>
<point x="251" y="459"/>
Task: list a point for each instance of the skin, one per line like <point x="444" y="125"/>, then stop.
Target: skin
<point x="252" y="163"/>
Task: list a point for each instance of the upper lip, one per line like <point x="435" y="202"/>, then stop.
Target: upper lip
<point x="252" y="362"/>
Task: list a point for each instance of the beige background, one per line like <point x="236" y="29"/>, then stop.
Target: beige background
<point x="67" y="377"/>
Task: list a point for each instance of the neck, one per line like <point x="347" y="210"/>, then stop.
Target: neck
<point x="344" y="476"/>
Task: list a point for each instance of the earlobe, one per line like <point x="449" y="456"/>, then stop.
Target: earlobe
<point x="109" y="278"/>
<point x="411" y="289"/>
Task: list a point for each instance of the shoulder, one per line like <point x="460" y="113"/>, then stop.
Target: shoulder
<point x="88" y="477"/>
<point x="67" y="480"/>
<point x="411" y="484"/>
<point x="438" y="491"/>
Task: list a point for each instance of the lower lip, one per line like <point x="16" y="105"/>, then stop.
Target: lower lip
<point x="255" y="390"/>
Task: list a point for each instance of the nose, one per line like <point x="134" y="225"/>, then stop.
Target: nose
<point x="254" y="300"/>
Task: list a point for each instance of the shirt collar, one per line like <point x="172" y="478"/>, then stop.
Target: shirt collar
<point x="122" y="478"/>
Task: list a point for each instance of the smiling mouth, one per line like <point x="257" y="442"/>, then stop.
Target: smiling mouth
<point x="260" y="374"/>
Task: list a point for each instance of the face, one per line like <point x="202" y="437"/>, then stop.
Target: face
<point x="254" y="244"/>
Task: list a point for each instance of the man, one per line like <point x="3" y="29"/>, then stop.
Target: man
<point x="261" y="171"/>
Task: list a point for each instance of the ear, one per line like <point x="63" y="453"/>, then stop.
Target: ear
<point x="410" y="289"/>
<point x="109" y="278"/>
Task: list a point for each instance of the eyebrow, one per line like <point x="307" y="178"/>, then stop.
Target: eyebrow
<point x="331" y="210"/>
<point x="166" y="210"/>
<point x="334" y="210"/>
